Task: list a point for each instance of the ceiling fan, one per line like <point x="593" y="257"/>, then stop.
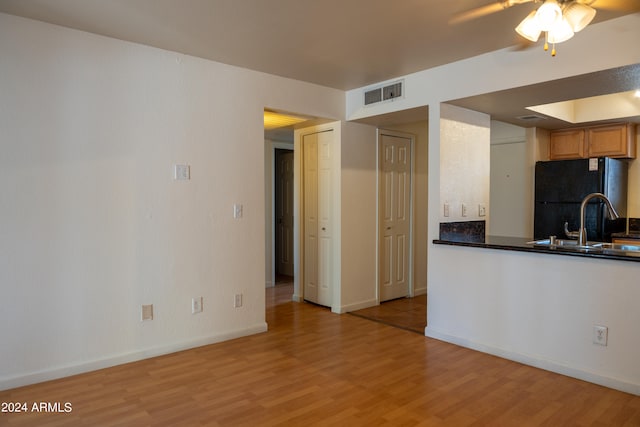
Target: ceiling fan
<point x="559" y="20"/>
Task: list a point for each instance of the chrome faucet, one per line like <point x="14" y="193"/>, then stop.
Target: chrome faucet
<point x="582" y="233"/>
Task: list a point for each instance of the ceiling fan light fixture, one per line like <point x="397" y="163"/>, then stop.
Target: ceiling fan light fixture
<point x="579" y="15"/>
<point x="561" y="32"/>
<point x="529" y="27"/>
<point x="548" y="15"/>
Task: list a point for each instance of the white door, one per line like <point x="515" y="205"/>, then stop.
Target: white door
<point x="317" y="184"/>
<point x="395" y="215"/>
<point x="284" y="212"/>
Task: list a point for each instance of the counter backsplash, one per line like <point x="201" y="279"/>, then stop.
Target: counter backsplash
<point x="466" y="231"/>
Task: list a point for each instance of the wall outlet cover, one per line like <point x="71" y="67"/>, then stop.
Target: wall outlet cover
<point x="600" y="335"/>
<point x="147" y="312"/>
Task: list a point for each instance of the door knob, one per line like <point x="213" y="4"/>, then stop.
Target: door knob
<point x="324" y="229"/>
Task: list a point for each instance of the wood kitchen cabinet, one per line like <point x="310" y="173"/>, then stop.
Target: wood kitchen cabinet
<point x="567" y="144"/>
<point x="614" y="140"/>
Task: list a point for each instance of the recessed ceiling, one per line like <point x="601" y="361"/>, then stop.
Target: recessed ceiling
<point x="511" y="106"/>
<point x="614" y="106"/>
<point x="334" y="43"/>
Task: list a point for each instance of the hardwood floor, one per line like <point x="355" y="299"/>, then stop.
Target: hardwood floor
<point x="405" y="313"/>
<point x="315" y="368"/>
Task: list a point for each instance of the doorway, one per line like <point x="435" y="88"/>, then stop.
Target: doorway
<point x="409" y="313"/>
<point x="317" y="216"/>
<point x="283" y="210"/>
<point x="395" y="190"/>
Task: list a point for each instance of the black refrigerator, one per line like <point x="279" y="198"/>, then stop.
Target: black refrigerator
<point x="560" y="186"/>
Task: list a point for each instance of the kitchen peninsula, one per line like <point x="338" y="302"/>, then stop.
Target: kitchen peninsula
<point x="525" y="245"/>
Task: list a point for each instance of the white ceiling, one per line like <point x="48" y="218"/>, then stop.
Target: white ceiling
<point x="343" y="44"/>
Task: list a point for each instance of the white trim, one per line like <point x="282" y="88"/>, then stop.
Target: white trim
<point x="107" y="362"/>
<point x="419" y="291"/>
<point x="536" y="362"/>
<point x="358" y="306"/>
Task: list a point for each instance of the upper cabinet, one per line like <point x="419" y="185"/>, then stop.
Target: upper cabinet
<point x="567" y="144"/>
<point x="614" y="140"/>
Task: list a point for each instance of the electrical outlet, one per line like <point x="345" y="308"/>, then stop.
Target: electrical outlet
<point x="446" y="209"/>
<point x="196" y="305"/>
<point x="237" y="302"/>
<point x="147" y="312"/>
<point x="482" y="210"/>
<point x="600" y="334"/>
<point x="464" y="209"/>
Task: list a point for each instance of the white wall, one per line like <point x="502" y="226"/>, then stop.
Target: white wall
<point x="93" y="224"/>
<point x="536" y="308"/>
<point x="358" y="213"/>
<point x="464" y="163"/>
<point x="511" y="182"/>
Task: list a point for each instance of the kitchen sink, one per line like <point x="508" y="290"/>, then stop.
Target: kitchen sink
<point x="565" y="244"/>
<point x="623" y="247"/>
<point x="599" y="247"/>
<point x="558" y="242"/>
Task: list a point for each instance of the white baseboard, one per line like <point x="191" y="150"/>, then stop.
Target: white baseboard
<point x="547" y="365"/>
<point x="419" y="291"/>
<point x="107" y="362"/>
<point x="296" y="298"/>
<point x="358" y="306"/>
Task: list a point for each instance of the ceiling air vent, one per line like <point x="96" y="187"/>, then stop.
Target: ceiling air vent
<point x="383" y="93"/>
<point x="531" y="117"/>
<point x="392" y="91"/>
<point x="373" y="96"/>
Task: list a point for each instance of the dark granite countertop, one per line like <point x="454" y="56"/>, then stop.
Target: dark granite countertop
<point x="522" y="245"/>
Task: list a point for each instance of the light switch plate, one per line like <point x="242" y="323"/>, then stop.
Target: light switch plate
<point x="196" y="305"/>
<point x="182" y="172"/>
<point x="237" y="211"/>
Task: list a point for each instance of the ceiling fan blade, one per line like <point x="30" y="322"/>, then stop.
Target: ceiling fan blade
<point x="614" y="5"/>
<point x="485" y="10"/>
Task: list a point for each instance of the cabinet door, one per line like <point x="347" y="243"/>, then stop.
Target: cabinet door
<point x="567" y="144"/>
<point x="612" y="141"/>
